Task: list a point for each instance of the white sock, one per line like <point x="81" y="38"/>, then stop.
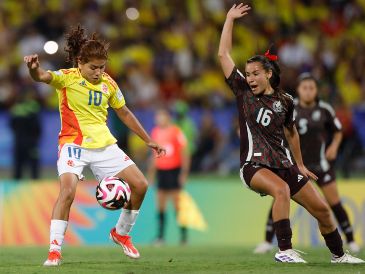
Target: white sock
<point x="126" y="221"/>
<point x="57" y="234"/>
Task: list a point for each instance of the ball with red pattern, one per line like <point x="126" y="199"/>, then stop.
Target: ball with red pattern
<point x="113" y="193"/>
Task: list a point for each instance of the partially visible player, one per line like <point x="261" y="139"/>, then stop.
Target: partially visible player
<point x="266" y="118"/>
<point x="172" y="170"/>
<point x="85" y="92"/>
<point x="317" y="123"/>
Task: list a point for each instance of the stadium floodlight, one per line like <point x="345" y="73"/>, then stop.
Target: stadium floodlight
<point x="50" y="47"/>
<point x="132" y="13"/>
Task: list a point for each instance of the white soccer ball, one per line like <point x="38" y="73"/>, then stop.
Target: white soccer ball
<point x="113" y="193"/>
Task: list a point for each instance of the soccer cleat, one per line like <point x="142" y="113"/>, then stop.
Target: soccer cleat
<point x="346" y="259"/>
<point x="289" y="256"/>
<point x="263" y="248"/>
<point x="354" y="247"/>
<point x="125" y="242"/>
<point x="54" y="258"/>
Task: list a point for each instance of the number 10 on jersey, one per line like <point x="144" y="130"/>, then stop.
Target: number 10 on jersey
<point x="95" y="97"/>
<point x="264" y="117"/>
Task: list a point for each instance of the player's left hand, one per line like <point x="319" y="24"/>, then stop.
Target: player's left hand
<point x="161" y="151"/>
<point x="331" y="153"/>
<point x="307" y="173"/>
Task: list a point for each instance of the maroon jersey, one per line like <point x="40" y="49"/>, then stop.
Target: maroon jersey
<point x="261" y="120"/>
<point x="315" y="126"/>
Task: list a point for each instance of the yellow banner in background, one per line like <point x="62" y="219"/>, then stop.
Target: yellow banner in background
<point x="189" y="214"/>
<point x="233" y="214"/>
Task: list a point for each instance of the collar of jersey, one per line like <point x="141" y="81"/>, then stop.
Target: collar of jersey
<point x="88" y="84"/>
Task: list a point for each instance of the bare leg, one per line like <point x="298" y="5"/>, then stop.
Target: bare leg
<point x="311" y="200"/>
<point x="68" y="184"/>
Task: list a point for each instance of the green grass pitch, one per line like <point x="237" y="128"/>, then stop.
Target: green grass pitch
<point x="189" y="259"/>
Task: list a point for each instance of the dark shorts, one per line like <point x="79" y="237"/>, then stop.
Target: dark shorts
<point x="324" y="178"/>
<point x="291" y="176"/>
<point x="168" y="179"/>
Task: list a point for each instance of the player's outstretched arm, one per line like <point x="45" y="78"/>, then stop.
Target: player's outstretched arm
<point x="292" y="137"/>
<point x="225" y="44"/>
<point x="36" y="72"/>
<point x="128" y="118"/>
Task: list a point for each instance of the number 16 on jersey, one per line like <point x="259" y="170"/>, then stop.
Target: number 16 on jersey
<point x="264" y="117"/>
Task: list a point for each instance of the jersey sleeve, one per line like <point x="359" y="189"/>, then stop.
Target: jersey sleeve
<point x="116" y="99"/>
<point x="290" y="114"/>
<point x="60" y="78"/>
<point x="333" y="124"/>
<point x="237" y="82"/>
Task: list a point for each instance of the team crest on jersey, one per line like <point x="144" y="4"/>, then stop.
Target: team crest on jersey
<point x="83" y="83"/>
<point x="104" y="88"/>
<point x="316" y="115"/>
<point x="277" y="106"/>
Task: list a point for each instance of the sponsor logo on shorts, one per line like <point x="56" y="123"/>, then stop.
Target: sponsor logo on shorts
<point x="126" y="158"/>
<point x="300" y="177"/>
<point x="70" y="163"/>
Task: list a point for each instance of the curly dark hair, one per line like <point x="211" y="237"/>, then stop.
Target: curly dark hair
<point x="81" y="48"/>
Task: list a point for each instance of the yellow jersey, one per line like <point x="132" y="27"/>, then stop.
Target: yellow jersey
<point x="83" y="108"/>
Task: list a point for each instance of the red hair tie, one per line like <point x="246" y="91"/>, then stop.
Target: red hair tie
<point x="270" y="57"/>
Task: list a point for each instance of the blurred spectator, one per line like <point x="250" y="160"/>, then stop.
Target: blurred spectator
<point x="230" y="154"/>
<point x="26" y="128"/>
<point x="209" y="145"/>
<point x="186" y="124"/>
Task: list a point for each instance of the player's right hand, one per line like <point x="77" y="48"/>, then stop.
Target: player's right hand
<point x="238" y="11"/>
<point x="32" y="61"/>
<point x="307" y="173"/>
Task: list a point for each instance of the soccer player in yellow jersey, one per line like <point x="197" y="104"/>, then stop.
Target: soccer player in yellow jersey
<point x="85" y="92"/>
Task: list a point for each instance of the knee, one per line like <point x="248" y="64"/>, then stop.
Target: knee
<point x="282" y="193"/>
<point x="140" y="186"/>
<point x="67" y="195"/>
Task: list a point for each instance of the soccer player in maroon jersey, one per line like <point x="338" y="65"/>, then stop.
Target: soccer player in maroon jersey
<point x="266" y="118"/>
<point x="317" y="122"/>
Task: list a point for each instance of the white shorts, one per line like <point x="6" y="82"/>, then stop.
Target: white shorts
<point x="103" y="162"/>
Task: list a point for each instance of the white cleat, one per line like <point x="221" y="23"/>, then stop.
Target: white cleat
<point x="289" y="256"/>
<point x="54" y="258"/>
<point x="263" y="248"/>
<point x="354" y="247"/>
<point x="346" y="259"/>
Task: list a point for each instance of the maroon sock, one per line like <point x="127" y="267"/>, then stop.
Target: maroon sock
<point x="269" y="232"/>
<point x="334" y="242"/>
<point x="343" y="221"/>
<point x="283" y="234"/>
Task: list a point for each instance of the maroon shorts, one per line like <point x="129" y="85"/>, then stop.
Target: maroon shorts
<point x="324" y="178"/>
<point x="291" y="176"/>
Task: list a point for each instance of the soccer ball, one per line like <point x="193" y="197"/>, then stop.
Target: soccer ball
<point x="113" y="193"/>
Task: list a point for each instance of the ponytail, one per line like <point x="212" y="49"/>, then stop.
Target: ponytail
<point x="81" y="48"/>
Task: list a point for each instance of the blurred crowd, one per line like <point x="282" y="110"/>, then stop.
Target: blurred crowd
<point x="168" y="54"/>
